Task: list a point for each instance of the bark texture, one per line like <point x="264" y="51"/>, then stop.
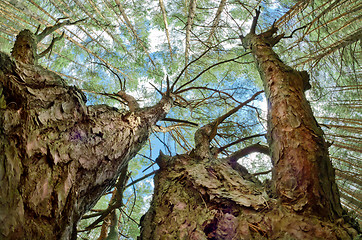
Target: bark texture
<point x="196" y="199"/>
<point x="200" y="197"/>
<point x="303" y="174"/>
<point x="57" y="155"/>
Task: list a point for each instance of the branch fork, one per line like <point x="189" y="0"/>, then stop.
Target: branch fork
<point x="25" y="47"/>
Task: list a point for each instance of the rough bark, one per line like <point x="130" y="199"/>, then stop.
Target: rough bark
<point x="57" y="155"/>
<point x="196" y="199"/>
<point x="200" y="197"/>
<point x="303" y="174"/>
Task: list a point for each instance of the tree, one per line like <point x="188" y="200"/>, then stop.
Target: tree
<point x="208" y="198"/>
<point x="55" y="145"/>
<point x="60" y="155"/>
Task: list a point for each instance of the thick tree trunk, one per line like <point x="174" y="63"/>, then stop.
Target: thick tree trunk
<point x="200" y="197"/>
<point x="57" y="155"/>
<point x="196" y="199"/>
<point x="303" y="174"/>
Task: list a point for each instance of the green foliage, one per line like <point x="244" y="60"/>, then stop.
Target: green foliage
<point x="94" y="233"/>
<point x="101" y="51"/>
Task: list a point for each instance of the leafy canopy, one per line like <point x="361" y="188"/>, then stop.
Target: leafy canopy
<point x="135" y="45"/>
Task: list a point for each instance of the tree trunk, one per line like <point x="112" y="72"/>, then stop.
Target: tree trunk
<point x="303" y="174"/>
<point x="200" y="197"/>
<point x="196" y="199"/>
<point x="57" y="155"/>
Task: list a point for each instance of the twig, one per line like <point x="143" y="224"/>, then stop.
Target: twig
<point x="55" y="39"/>
<point x="261" y="173"/>
<point x="246" y="151"/>
<point x="140" y="179"/>
<point x="119" y="79"/>
<point x="206" y="69"/>
<point x="51" y="29"/>
<point x="184" y="69"/>
<point x="291" y="35"/>
<point x="180" y="121"/>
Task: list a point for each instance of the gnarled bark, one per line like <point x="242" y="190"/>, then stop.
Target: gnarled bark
<point x="200" y="197"/>
<point x="196" y="199"/>
<point x="57" y="155"/>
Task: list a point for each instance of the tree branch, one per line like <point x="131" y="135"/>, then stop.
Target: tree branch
<point x="122" y="85"/>
<point x="131" y="101"/>
<point x="220" y="119"/>
<point x="206" y="69"/>
<point x="291" y="35"/>
<point x="55" y="39"/>
<point x="180" y="121"/>
<point x="116" y="201"/>
<point x="51" y="29"/>
<point x="261" y="173"/>
<point x="239" y="141"/>
<point x="190" y="20"/>
<point x="205" y="134"/>
<point x="164" y="16"/>
<point x="255" y="21"/>
<point x="184" y="69"/>
<point x="140" y="179"/>
<point x="246" y="151"/>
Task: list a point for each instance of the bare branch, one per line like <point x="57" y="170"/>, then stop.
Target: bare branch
<point x="104" y="214"/>
<point x="205" y="134"/>
<point x="209" y="89"/>
<point x="246" y="151"/>
<point x="255" y="21"/>
<point x="116" y="201"/>
<point x="131" y="101"/>
<point x="184" y="69"/>
<point x="291" y="35"/>
<point x="51" y="29"/>
<point x="140" y="179"/>
<point x="216" y="19"/>
<point x="190" y="20"/>
<point x="159" y="91"/>
<point x="180" y="121"/>
<point x="123" y="85"/>
<point x="55" y="39"/>
<point x="220" y="119"/>
<point x="261" y="173"/>
<point x="239" y="141"/>
<point x="163" y="10"/>
<point x="207" y="69"/>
